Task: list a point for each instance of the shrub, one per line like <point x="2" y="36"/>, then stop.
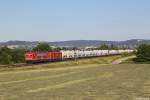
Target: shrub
<point x="143" y="53"/>
<point x="9" y="56"/>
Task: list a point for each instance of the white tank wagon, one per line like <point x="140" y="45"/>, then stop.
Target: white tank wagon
<point x="113" y="52"/>
<point x="68" y="54"/>
<point x="71" y="54"/>
<point x="125" y="51"/>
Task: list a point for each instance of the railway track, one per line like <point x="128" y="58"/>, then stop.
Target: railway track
<point x="30" y="64"/>
<point x="48" y="62"/>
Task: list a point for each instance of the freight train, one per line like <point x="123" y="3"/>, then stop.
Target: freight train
<point x="37" y="56"/>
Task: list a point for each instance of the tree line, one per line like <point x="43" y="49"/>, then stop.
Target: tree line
<point x="106" y="47"/>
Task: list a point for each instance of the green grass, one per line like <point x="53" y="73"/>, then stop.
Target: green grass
<point x="78" y="82"/>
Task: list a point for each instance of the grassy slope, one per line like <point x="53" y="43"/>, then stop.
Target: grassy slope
<point x="85" y="82"/>
<point x="131" y="61"/>
<point x="99" y="60"/>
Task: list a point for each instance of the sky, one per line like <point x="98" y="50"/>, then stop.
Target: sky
<point x="59" y="20"/>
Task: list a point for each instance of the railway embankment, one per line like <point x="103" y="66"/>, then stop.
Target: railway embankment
<point x="120" y="60"/>
<point x="88" y="61"/>
<point x="117" y="59"/>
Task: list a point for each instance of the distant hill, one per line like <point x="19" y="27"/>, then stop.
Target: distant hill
<point x="18" y="43"/>
<point x="95" y="43"/>
<point x="82" y="43"/>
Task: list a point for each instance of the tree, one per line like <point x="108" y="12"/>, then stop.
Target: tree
<point x="10" y="56"/>
<point x="18" y="56"/>
<point x="5" y="56"/>
<point x="143" y="53"/>
<point x="42" y="47"/>
<point x="5" y="49"/>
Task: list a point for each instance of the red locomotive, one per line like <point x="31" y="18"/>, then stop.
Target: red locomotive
<point x="37" y="56"/>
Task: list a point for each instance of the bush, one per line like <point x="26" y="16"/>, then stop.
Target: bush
<point x="9" y="56"/>
<point x="143" y="53"/>
<point x="5" y="56"/>
<point x="18" y="56"/>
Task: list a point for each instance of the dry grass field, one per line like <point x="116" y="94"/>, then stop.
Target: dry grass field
<point x="79" y="82"/>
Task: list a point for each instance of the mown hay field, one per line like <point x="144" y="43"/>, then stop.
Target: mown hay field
<point x="80" y="82"/>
